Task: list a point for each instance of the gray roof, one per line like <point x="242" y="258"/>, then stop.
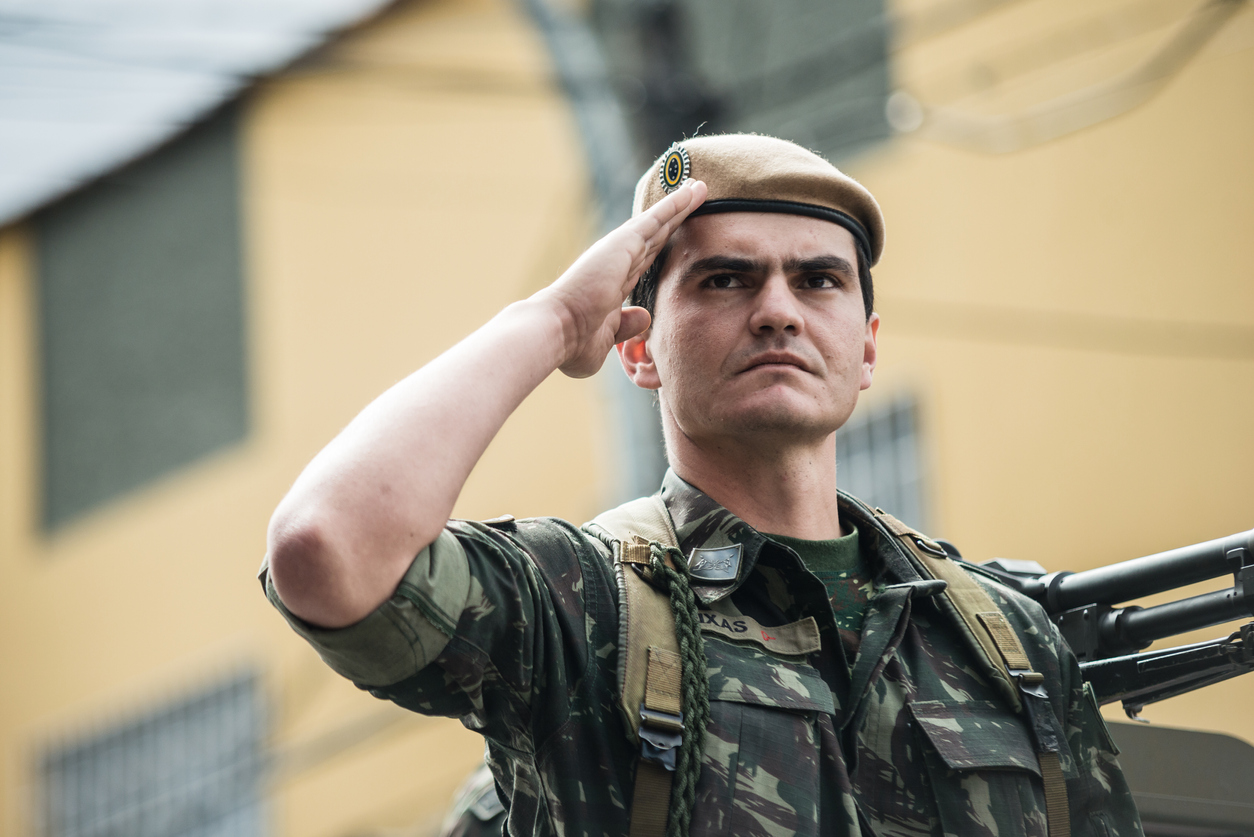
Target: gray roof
<point x="87" y="85"/>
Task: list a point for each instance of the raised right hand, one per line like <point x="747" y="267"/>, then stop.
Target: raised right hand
<point x="589" y="296"/>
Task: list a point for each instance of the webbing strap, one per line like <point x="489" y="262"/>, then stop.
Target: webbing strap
<point x="651" y="800"/>
<point x="1008" y="645"/>
<point x="650" y="671"/>
<point x="968" y="599"/>
<point x="646" y="621"/>
<point x="1057" y="810"/>
<point x="635" y="553"/>
<point x="661" y="685"/>
<point x="1006" y="660"/>
<point x="646" y="517"/>
<point x="660" y="692"/>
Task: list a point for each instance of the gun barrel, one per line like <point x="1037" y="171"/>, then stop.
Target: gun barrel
<point x="1136" y="627"/>
<point x="1145" y="576"/>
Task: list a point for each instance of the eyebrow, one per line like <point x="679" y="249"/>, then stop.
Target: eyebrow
<point x="820" y="263"/>
<point x="734" y="264"/>
<point x="729" y="264"/>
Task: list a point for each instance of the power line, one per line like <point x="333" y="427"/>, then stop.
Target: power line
<point x="1073" y="111"/>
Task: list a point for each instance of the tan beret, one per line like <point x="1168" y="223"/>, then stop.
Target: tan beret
<point x="752" y="173"/>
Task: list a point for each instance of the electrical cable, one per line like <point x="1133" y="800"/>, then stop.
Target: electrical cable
<point x="1081" y="108"/>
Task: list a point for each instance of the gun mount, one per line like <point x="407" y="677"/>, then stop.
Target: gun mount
<point x="1140" y="679"/>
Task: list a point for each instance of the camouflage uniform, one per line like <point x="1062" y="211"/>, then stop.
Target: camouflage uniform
<point x="513" y="627"/>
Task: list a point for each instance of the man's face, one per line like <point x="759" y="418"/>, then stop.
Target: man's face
<point x="759" y="328"/>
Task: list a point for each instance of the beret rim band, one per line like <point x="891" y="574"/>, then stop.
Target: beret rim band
<point x="809" y="210"/>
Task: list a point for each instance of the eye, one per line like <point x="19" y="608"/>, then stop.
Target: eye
<point x="822" y="280"/>
<point x="723" y="280"/>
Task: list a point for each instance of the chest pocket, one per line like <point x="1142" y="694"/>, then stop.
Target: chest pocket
<point x="762" y="747"/>
<point x="982" y="766"/>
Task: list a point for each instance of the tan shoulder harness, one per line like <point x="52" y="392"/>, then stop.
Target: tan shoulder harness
<point x="649" y="664"/>
<point x="997" y="648"/>
<point x="649" y="667"/>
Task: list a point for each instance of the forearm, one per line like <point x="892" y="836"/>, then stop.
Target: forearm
<point x="344" y="535"/>
<point x="342" y="538"/>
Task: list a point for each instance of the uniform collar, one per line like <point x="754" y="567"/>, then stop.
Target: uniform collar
<point x="702" y="523"/>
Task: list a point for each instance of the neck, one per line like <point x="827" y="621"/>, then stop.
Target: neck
<point x="781" y="488"/>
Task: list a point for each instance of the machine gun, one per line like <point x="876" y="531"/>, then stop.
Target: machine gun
<point x="1106" y="638"/>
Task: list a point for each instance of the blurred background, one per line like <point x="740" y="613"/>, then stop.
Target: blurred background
<point x="225" y="225"/>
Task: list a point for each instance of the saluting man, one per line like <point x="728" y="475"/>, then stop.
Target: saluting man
<point x="834" y="672"/>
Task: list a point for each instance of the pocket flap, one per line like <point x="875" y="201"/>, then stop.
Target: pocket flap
<point x="976" y="734"/>
<point x="745" y="674"/>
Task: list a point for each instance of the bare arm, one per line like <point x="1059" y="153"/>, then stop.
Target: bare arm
<point x="382" y="490"/>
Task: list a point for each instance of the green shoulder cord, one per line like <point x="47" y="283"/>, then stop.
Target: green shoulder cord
<point x="696" y="688"/>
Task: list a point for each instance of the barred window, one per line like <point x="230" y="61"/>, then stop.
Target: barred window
<point x="191" y="769"/>
<point x="878" y="460"/>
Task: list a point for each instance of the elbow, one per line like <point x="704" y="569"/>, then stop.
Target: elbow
<point x="326" y="571"/>
<point x="293" y="549"/>
<point x="305" y="572"/>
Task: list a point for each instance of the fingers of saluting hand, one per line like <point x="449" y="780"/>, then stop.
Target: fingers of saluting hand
<point x="590" y="294"/>
<point x="655" y="225"/>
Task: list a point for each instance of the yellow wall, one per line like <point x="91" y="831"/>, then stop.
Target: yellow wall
<point x="1078" y="316"/>
<point x="1055" y="308"/>
<point x="399" y="189"/>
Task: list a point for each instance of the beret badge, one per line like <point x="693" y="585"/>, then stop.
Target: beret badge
<point x="674" y="168"/>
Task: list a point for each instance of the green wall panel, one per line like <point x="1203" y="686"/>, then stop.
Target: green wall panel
<point x="142" y="321"/>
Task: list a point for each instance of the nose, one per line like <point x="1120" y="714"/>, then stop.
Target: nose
<point x="776" y="307"/>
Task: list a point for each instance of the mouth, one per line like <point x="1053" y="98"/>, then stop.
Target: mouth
<point x="776" y="360"/>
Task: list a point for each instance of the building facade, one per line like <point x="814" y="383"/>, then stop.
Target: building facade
<point x="1066" y="374"/>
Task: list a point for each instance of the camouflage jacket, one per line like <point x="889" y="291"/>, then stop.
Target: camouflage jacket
<point x="513" y="627"/>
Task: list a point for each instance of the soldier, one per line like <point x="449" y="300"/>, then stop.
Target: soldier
<point x="830" y="686"/>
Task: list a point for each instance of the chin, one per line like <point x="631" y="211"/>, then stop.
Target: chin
<point x="778" y="414"/>
<point x="782" y="420"/>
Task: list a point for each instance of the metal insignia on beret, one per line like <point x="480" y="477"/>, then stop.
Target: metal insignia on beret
<point x="715" y="566"/>
<point x="674" y="168"/>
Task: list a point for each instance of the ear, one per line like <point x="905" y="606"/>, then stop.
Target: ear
<point x="870" y="350"/>
<point x="637" y="361"/>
